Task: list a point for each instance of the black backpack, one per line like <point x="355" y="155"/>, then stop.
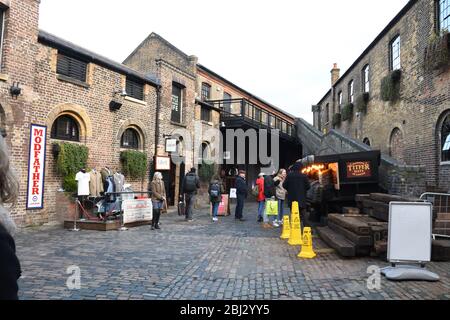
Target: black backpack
<point x="190" y="183"/>
<point x="214" y="191"/>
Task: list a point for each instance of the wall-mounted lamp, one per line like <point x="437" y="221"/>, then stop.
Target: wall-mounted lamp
<point x="116" y="103"/>
<point x="15" y="90"/>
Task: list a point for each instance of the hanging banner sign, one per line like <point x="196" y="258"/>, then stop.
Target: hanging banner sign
<point x="36" y="167"/>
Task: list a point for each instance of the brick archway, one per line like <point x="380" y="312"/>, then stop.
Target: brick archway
<point x="397" y="145"/>
<point x="75" y="111"/>
<point x="137" y="126"/>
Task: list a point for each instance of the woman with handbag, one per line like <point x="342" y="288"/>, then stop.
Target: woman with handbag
<point x="280" y="193"/>
<point x="158" y="198"/>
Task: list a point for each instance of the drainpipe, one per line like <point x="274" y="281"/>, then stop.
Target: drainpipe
<point x="158" y="109"/>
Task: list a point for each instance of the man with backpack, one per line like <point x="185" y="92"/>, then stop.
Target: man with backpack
<point x="191" y="183"/>
<point x="215" y="192"/>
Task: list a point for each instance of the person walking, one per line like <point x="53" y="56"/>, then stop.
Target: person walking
<point x="280" y="193"/>
<point x="269" y="194"/>
<point x="242" y="193"/>
<point x="215" y="192"/>
<point x="10" y="270"/>
<point x="158" y="198"/>
<point x="191" y="183"/>
<point x="261" y="199"/>
<point x="296" y="185"/>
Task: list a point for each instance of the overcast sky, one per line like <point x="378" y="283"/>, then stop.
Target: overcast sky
<point x="281" y="51"/>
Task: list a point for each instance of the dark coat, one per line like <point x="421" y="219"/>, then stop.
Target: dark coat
<point x="241" y="187"/>
<point x="296" y="185"/>
<point x="10" y="270"/>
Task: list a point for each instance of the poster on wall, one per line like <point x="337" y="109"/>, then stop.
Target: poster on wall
<point x="162" y="163"/>
<point x="36" y="167"/>
<point x="137" y="210"/>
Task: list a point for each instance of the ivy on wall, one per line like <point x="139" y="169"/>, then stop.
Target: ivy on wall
<point x="337" y="117"/>
<point x="71" y="158"/>
<point x="206" y="171"/>
<point x="390" y="86"/>
<point x="362" y="102"/>
<point x="437" y="53"/>
<point x="134" y="164"/>
<point x="347" y="112"/>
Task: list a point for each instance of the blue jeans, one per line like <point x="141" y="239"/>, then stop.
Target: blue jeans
<point x="261" y="207"/>
<point x="280" y="209"/>
<point x="215" y="209"/>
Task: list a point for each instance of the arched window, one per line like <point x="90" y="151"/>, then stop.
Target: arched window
<point x="366" y="141"/>
<point x="397" y="147"/>
<point x="65" y="128"/>
<point x="204" y="152"/>
<point x="130" y="139"/>
<point x="445" y="139"/>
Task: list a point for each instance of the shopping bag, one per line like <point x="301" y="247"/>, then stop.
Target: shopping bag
<point x="272" y="207"/>
<point x="181" y="208"/>
<point x="255" y="191"/>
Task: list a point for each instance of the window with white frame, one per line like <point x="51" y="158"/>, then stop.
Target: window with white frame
<point x="2" y="31"/>
<point x="366" y="79"/>
<point x="445" y="139"/>
<point x="443" y="15"/>
<point x="351" y="91"/>
<point x="395" y="49"/>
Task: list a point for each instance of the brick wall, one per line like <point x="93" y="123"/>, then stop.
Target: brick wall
<point x="45" y="97"/>
<point x="424" y="98"/>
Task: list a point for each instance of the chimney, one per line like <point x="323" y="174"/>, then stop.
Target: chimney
<point x="335" y="74"/>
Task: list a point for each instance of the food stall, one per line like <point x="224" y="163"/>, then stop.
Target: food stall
<point x="336" y="179"/>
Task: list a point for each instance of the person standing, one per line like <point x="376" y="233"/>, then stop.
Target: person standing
<point x="280" y="193"/>
<point x="269" y="193"/>
<point x="10" y="270"/>
<point x="261" y="199"/>
<point x="215" y="192"/>
<point x="191" y="183"/>
<point x="242" y="193"/>
<point x="158" y="197"/>
<point x="296" y="185"/>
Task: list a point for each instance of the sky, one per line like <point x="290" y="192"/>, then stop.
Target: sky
<point x="281" y="51"/>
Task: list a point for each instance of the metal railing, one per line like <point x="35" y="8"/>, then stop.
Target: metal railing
<point x="441" y="203"/>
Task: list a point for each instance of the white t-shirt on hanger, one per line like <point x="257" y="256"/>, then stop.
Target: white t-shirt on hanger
<point x="83" y="180"/>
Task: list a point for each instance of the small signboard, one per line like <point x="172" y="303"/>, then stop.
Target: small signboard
<point x="233" y="193"/>
<point x="162" y="163"/>
<point x="361" y="169"/>
<point x="171" y="145"/>
<point x="137" y="210"/>
<point x="36" y="167"/>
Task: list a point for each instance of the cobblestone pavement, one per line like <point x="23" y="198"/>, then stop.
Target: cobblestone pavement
<point x="200" y="260"/>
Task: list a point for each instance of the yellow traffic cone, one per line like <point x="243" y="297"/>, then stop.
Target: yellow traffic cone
<point x="295" y="237"/>
<point x="286" y="228"/>
<point x="307" y="248"/>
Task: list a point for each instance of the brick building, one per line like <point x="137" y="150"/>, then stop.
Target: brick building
<point x="69" y="90"/>
<point x="395" y="96"/>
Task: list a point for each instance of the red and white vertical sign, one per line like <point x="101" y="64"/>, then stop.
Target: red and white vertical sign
<point x="36" y="167"/>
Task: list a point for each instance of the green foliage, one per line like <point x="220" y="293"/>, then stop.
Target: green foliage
<point x="347" y="112"/>
<point x="71" y="158"/>
<point x="69" y="183"/>
<point x="134" y="163"/>
<point x="437" y="53"/>
<point x="390" y="86"/>
<point x="336" y="119"/>
<point x="206" y="171"/>
<point x="361" y="102"/>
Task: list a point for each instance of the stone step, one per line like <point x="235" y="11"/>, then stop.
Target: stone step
<point x="444" y="232"/>
<point x="443" y="216"/>
<point x="337" y="241"/>
<point x="442" y="224"/>
<point x="350" y="210"/>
